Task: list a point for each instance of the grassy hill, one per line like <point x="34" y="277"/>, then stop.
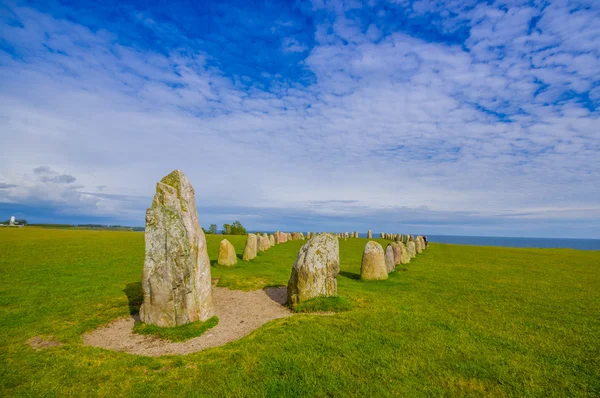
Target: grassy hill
<point x="458" y="320"/>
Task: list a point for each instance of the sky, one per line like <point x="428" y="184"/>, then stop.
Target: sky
<point x="450" y="117"/>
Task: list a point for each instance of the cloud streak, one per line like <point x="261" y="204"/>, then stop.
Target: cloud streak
<point x="483" y="119"/>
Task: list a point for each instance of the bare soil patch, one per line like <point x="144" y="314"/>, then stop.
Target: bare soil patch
<point x="39" y="342"/>
<point x="239" y="314"/>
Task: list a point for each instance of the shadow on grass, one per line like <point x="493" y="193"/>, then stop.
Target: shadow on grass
<point x="135" y="296"/>
<point x="350" y="275"/>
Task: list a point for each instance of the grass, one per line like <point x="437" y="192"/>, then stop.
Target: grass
<point x="176" y="333"/>
<point x="456" y="321"/>
<point x="323" y="304"/>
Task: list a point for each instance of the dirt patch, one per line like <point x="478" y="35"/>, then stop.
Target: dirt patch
<point x="39" y="342"/>
<point x="239" y="314"/>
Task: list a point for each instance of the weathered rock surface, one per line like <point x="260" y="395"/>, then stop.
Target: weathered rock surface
<point x="259" y="243"/>
<point x="373" y="262"/>
<point x="315" y="270"/>
<point x="251" y="248"/>
<point x="389" y="258"/>
<point x="369" y="234"/>
<point x="397" y="252"/>
<point x="176" y="279"/>
<point x="266" y="242"/>
<point x="404" y="256"/>
<point x="411" y="249"/>
<point x="276" y="237"/>
<point x="418" y="247"/>
<point x="227" y="256"/>
<point x="271" y="240"/>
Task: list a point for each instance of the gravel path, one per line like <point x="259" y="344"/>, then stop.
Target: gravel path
<point x="239" y="314"/>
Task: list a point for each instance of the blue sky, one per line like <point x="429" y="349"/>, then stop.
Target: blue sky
<point x="434" y="117"/>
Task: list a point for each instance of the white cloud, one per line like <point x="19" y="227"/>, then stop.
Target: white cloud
<point x="394" y="125"/>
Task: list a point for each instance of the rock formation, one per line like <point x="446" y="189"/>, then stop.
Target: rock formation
<point x="251" y="247"/>
<point x="315" y="270"/>
<point x="373" y="262"/>
<point x="271" y="240"/>
<point x="369" y="234"/>
<point x="176" y="279"/>
<point x="404" y="256"/>
<point x="411" y="249"/>
<point x="227" y="256"/>
<point x="389" y="258"/>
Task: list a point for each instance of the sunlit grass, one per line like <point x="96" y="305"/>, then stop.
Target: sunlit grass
<point x="176" y="333"/>
<point x="456" y="321"/>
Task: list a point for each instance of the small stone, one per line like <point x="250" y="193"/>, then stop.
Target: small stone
<point x="373" y="262"/>
<point x="389" y="258"/>
<point x="227" y="256"/>
<point x="251" y="248"/>
<point x="411" y="249"/>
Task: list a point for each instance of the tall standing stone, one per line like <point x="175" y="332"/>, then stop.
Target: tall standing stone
<point x="251" y="248"/>
<point x="369" y="234"/>
<point x="259" y="243"/>
<point x="411" y="249"/>
<point x="265" y="241"/>
<point x="315" y="270"/>
<point x="227" y="256"/>
<point x="373" y="262"/>
<point x="176" y="279"/>
<point x="418" y="248"/>
<point x="276" y="237"/>
<point x="271" y="240"/>
<point x="404" y="256"/>
<point x="389" y="258"/>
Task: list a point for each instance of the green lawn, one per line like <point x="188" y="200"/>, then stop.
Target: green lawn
<point x="458" y="320"/>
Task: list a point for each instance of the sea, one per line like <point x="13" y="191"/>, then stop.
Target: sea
<point x="506" y="241"/>
<point x="579" y="244"/>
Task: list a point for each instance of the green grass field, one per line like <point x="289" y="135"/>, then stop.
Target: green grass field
<point x="457" y="321"/>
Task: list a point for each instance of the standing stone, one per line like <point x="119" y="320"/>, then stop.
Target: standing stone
<point x="397" y="252"/>
<point x="315" y="270"/>
<point x="404" y="256"/>
<point x="373" y="262"/>
<point x="370" y="234"/>
<point x="227" y="256"/>
<point x="418" y="248"/>
<point x="389" y="258"/>
<point x="176" y="279"/>
<point x="271" y="240"/>
<point x="276" y="237"/>
<point x="265" y="242"/>
<point x="259" y="243"/>
<point x="421" y="241"/>
<point x="251" y="248"/>
<point x="411" y="249"/>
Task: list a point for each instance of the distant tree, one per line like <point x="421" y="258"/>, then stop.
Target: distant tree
<point x="237" y="228"/>
<point x="212" y="229"/>
<point x="234" y="229"/>
<point x="227" y="229"/>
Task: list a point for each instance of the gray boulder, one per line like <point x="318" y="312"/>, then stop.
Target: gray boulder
<point x="315" y="270"/>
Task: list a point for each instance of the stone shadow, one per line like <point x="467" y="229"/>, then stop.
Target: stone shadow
<point x="135" y="296"/>
<point x="277" y="293"/>
<point x="349" y="275"/>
